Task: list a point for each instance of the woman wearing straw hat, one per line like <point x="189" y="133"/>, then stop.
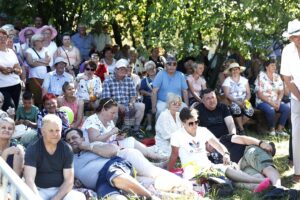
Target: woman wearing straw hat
<point x="237" y="90"/>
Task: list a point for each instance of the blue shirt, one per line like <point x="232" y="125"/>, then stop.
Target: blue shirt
<point x="166" y="84"/>
<point x="146" y="84"/>
<point x="53" y="82"/>
<point x="84" y="44"/>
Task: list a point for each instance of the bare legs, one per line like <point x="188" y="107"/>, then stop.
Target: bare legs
<point x="240" y="176"/>
<point x="241" y="121"/>
<point x="273" y="175"/>
<point x="130" y="185"/>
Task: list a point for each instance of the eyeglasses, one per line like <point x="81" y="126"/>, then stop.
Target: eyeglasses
<point x="172" y="63"/>
<point x="90" y="69"/>
<point x="176" y="103"/>
<point x="193" y="123"/>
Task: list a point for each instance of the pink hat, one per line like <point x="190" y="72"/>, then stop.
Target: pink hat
<point x="52" y="29"/>
<point x="23" y="31"/>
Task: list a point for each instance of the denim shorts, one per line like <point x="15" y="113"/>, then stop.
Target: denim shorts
<point x="115" y="167"/>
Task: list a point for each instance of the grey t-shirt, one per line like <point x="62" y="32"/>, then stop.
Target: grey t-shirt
<point x="87" y="166"/>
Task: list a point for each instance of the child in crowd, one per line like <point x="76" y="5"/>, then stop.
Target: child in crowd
<point x="26" y="120"/>
<point x="27" y="113"/>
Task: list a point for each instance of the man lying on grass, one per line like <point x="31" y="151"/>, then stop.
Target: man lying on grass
<point x="254" y="157"/>
<point x="189" y="144"/>
<point x="107" y="169"/>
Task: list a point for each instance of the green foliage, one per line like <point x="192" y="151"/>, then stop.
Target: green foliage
<point x="181" y="26"/>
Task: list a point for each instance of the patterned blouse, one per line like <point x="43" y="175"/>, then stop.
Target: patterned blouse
<point x="269" y="88"/>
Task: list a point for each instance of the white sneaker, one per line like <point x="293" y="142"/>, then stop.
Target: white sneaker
<point x="272" y="133"/>
<point x="282" y="133"/>
<point x="148" y="128"/>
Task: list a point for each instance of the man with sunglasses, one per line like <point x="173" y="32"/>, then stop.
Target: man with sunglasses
<point x="166" y="81"/>
<point x="54" y="80"/>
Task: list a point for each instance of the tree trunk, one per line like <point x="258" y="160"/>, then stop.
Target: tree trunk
<point x="117" y="33"/>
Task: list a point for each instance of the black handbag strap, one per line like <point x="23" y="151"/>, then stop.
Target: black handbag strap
<point x="36" y="53"/>
<point x="67" y="56"/>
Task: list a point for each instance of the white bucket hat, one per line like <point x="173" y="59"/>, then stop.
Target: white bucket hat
<point x="293" y="29"/>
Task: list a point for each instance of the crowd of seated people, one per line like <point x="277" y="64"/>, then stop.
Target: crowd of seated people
<point x="113" y="98"/>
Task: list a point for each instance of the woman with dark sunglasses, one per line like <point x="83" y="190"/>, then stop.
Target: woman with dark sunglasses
<point x="89" y="86"/>
<point x="189" y="143"/>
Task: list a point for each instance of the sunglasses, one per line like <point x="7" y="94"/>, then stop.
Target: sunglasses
<point x="193" y="123"/>
<point x="176" y="103"/>
<point x="90" y="69"/>
<point x="172" y="63"/>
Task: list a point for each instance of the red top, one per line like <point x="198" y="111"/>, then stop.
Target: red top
<point x="100" y="71"/>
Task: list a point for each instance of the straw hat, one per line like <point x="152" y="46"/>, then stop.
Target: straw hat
<point x="234" y="65"/>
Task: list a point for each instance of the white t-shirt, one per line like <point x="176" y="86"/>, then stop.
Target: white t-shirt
<point x="8" y="59"/>
<point x="111" y="67"/>
<point x="236" y="89"/>
<point x="290" y="64"/>
<point x="38" y="71"/>
<point x="192" y="148"/>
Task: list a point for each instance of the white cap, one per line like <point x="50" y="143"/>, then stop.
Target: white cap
<point x="122" y="63"/>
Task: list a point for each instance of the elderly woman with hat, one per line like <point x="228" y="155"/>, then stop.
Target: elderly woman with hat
<point x="10" y="82"/>
<point x="269" y="93"/>
<point x="25" y="36"/>
<point x="49" y="34"/>
<point x="237" y="91"/>
<point x="37" y="58"/>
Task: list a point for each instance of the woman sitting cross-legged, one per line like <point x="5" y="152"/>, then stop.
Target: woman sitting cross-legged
<point x="100" y="127"/>
<point x="189" y="144"/>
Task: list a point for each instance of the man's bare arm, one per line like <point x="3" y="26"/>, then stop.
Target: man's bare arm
<point x="230" y="124"/>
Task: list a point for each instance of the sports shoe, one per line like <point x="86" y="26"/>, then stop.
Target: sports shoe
<point x="272" y="133"/>
<point x="282" y="133"/>
<point x="149" y="127"/>
<point x="263" y="185"/>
